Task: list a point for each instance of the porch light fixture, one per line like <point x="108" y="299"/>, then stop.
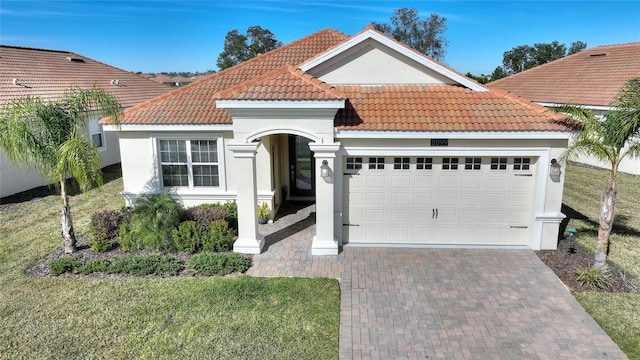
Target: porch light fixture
<point x="325" y="171"/>
<point x="555" y="171"/>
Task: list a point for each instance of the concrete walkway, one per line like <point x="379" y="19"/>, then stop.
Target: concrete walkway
<point x="399" y="303"/>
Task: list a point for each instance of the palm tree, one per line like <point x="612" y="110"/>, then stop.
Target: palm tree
<point x="47" y="136"/>
<point x="609" y="139"/>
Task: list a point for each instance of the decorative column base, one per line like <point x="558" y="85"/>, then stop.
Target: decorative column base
<point x="324" y="247"/>
<point x="249" y="246"/>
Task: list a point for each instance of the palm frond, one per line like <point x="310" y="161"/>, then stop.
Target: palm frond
<point x="79" y="158"/>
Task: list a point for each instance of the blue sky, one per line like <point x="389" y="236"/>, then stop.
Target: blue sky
<point x="188" y="35"/>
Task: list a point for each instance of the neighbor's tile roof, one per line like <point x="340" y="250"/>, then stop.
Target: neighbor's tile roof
<point x="286" y="83"/>
<point x="590" y="77"/>
<point x="194" y="103"/>
<point x="442" y="108"/>
<point x="48" y="73"/>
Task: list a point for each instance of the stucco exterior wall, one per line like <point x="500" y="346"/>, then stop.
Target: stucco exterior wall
<point x="370" y="63"/>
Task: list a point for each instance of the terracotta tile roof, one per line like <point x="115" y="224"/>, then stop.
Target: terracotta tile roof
<point x="274" y="76"/>
<point x="194" y="103"/>
<point x="286" y="83"/>
<point x="590" y="77"/>
<point x="48" y="73"/>
<point x="442" y="108"/>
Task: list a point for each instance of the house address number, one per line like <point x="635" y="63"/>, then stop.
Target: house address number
<point x="439" y="142"/>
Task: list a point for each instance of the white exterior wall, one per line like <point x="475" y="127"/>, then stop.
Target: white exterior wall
<point x="370" y="63"/>
<point x="141" y="172"/>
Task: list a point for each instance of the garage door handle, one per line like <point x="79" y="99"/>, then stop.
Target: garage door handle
<point x="433" y="213"/>
<point x="518" y="227"/>
<point x="350" y="225"/>
<point x="436" y="213"/>
<point x="523" y="174"/>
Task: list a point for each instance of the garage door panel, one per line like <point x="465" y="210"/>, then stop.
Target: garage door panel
<point x="423" y="182"/>
<point x="424" y="198"/>
<point x="375" y="198"/>
<point x="375" y="215"/>
<point x="469" y="217"/>
<point x="400" y="198"/>
<point x="400" y="215"/>
<point x="472" y="182"/>
<point x="376" y="181"/>
<point x="472" y="200"/>
<point x="401" y="181"/>
<point x="473" y="206"/>
<point x="447" y="199"/>
<point x="496" y="199"/>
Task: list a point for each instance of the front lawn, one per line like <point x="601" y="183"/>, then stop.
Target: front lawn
<point x="617" y="313"/>
<point x="149" y="317"/>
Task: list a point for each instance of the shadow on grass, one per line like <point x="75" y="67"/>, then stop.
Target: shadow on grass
<point x="620" y="226"/>
<point x="109" y="174"/>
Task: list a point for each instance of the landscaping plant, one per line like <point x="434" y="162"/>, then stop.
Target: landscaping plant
<point x="46" y="136"/>
<point x="610" y="139"/>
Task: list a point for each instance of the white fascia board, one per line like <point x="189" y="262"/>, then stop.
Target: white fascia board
<point x="440" y="150"/>
<point x="280" y="104"/>
<point x="419" y="58"/>
<point x="165" y="127"/>
<point x="590" y="107"/>
<point x="476" y="135"/>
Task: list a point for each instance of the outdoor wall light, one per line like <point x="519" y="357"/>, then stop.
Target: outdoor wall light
<point x="555" y="171"/>
<point x="325" y="171"/>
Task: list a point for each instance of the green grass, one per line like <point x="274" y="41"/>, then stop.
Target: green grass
<point x="618" y="314"/>
<point x="149" y="318"/>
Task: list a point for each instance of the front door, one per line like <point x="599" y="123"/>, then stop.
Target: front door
<point x="301" y="169"/>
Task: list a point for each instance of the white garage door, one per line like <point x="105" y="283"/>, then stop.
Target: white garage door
<point x="438" y="200"/>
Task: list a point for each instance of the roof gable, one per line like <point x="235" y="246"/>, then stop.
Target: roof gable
<point x="592" y="77"/>
<point x="378" y="59"/>
<point x="49" y="73"/>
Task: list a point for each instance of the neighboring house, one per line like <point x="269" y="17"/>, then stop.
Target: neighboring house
<point x="591" y="78"/>
<point x="395" y="148"/>
<point x="175" y="81"/>
<point x="48" y="73"/>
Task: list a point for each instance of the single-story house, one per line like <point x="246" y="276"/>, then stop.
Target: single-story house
<point x="48" y="73"/>
<point x="591" y="78"/>
<point x="394" y="148"/>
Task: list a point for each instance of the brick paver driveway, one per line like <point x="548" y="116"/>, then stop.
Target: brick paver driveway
<point x="440" y="303"/>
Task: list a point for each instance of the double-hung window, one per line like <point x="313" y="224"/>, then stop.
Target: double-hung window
<point x="189" y="163"/>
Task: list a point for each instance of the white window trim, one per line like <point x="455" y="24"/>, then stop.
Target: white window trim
<point x="101" y="131"/>
<point x="180" y="190"/>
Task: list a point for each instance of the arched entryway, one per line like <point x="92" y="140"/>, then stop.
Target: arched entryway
<point x="306" y="153"/>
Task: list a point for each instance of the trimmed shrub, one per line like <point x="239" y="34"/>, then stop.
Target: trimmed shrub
<point x="189" y="236"/>
<point x="220" y="237"/>
<point x="146" y="265"/>
<point x="105" y="228"/>
<point x="63" y="265"/>
<point x="205" y="214"/>
<point x="92" y="266"/>
<point x="218" y="264"/>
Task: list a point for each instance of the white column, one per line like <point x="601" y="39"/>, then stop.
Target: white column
<point x="249" y="240"/>
<point x="324" y="242"/>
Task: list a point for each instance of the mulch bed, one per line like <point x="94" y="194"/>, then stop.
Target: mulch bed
<point x="570" y="256"/>
<point x="41" y="267"/>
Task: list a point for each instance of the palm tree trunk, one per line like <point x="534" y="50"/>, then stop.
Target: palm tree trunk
<point x="607" y="204"/>
<point x="68" y="234"/>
